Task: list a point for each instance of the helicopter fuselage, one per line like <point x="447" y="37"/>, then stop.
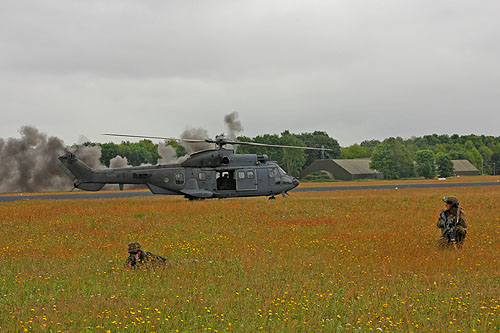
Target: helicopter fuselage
<point x="217" y="173"/>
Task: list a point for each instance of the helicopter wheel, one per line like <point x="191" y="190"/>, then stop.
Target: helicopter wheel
<point x="195" y="199"/>
<point x="272" y="198"/>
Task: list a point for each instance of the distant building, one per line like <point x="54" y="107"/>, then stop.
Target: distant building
<point x="359" y="168"/>
<point x="464" y="168"/>
<point x="342" y="169"/>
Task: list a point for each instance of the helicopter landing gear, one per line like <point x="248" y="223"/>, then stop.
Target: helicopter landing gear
<point x="272" y="198"/>
<point x="194" y="198"/>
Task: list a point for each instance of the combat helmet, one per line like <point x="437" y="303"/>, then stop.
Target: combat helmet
<point x="451" y="200"/>
<point x="134" y="247"/>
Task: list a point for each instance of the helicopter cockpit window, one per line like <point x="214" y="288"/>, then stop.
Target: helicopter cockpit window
<point x="241" y="174"/>
<point x="250" y="174"/>
<point x="179" y="178"/>
<point x="273" y="172"/>
<point x="202" y="176"/>
<point x="281" y="171"/>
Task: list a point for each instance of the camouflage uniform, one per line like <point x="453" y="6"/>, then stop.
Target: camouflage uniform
<point x="452" y="214"/>
<point x="144" y="259"/>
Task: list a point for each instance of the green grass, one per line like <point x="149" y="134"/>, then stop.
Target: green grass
<point x="331" y="261"/>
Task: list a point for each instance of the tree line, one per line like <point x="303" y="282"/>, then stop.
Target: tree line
<point x="427" y="156"/>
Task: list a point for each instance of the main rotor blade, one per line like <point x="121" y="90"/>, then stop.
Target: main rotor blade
<point x="158" y="137"/>
<point x="274" y="146"/>
<point x="223" y="141"/>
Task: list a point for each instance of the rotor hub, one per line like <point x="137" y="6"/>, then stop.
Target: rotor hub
<point x="219" y="141"/>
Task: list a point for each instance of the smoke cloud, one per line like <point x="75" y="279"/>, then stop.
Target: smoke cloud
<point x="231" y="122"/>
<point x="89" y="155"/>
<point x="233" y="125"/>
<point x="118" y="162"/>
<point x="30" y="164"/>
<point x="169" y="155"/>
<point x="195" y="133"/>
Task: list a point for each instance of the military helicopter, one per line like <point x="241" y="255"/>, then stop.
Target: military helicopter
<point x="213" y="173"/>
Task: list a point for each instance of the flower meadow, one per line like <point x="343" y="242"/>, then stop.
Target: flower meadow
<point x="317" y="261"/>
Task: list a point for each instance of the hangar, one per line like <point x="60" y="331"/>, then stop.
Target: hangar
<point x="342" y="169"/>
<point x="464" y="168"/>
<point x="352" y="169"/>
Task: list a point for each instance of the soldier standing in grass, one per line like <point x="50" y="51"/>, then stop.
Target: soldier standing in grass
<point x="138" y="258"/>
<point x="452" y="222"/>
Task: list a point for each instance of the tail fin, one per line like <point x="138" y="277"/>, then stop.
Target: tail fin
<point x="82" y="172"/>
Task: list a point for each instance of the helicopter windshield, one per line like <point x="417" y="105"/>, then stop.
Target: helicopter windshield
<point x="281" y="171"/>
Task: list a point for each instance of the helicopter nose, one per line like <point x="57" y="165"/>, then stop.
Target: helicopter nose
<point x="295" y="182"/>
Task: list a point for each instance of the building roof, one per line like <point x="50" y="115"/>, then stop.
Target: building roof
<point x="355" y="166"/>
<point x="463" y="165"/>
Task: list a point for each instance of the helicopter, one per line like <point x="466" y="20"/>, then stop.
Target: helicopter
<point x="213" y="173"/>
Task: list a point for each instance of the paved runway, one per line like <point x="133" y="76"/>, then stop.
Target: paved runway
<point x="106" y="195"/>
<point x="392" y="186"/>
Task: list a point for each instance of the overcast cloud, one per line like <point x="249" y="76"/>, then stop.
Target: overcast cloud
<point x="356" y="69"/>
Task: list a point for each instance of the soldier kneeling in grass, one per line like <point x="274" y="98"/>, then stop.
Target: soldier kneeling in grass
<point x="452" y="222"/>
<point x="139" y="258"/>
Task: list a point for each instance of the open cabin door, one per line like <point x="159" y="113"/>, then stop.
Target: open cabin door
<point x="246" y="180"/>
<point x="226" y="180"/>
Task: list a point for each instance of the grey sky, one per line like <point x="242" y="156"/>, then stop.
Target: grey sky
<point x="356" y="69"/>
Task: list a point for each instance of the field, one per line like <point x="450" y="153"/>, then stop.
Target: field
<point x="336" y="261"/>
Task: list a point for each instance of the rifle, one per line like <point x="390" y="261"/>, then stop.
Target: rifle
<point x="132" y="260"/>
<point x="450" y="227"/>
